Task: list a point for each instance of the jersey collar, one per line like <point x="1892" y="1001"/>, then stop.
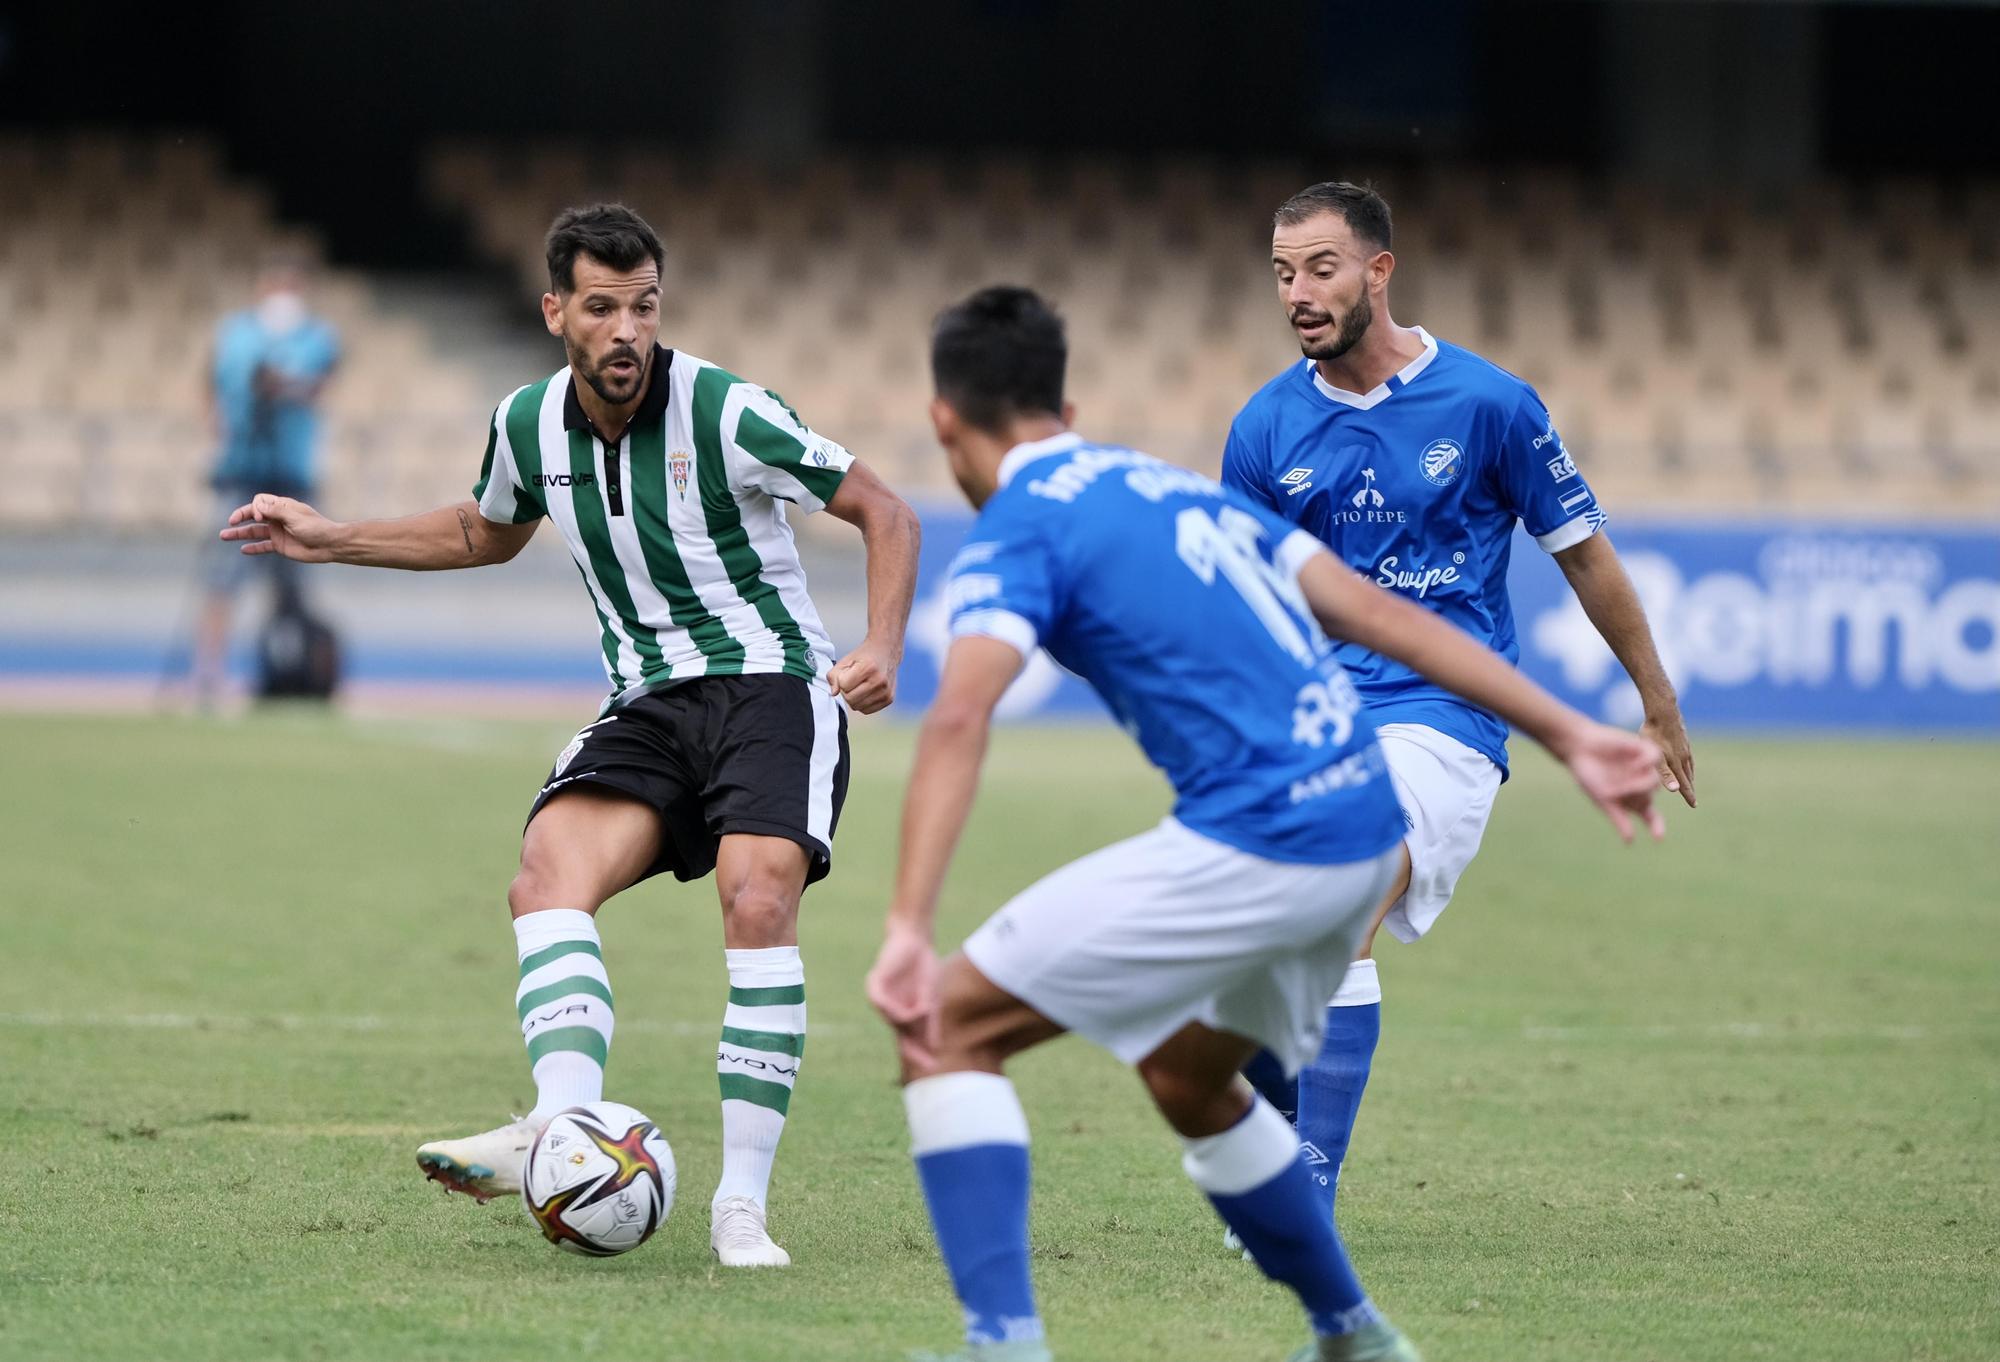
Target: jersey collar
<point x="651" y="407"/>
<point x="1020" y="456"/>
<point x="1381" y="392"/>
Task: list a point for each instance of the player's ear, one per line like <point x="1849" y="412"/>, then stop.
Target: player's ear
<point x="1068" y="412"/>
<point x="944" y="422"/>
<point x="552" y="313"/>
<point x="1380" y="268"/>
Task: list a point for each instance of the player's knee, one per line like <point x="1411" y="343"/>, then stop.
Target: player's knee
<point x="760" y="912"/>
<point x="540" y="883"/>
<point x="529" y="892"/>
<point x="1193" y="1103"/>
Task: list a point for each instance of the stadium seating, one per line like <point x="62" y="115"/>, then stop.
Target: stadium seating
<point x="1835" y="348"/>
<point x="117" y="257"/>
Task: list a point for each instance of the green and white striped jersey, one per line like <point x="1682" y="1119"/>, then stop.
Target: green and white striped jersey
<point x="679" y="526"/>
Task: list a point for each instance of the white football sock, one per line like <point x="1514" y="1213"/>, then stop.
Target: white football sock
<point x="564" y="1001"/>
<point x="763" y="1040"/>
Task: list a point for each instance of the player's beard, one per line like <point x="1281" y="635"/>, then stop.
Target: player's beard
<point x="612" y="391"/>
<point x="1353" y="326"/>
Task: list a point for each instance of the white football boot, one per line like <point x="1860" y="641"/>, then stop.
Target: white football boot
<point x="736" y="1232"/>
<point x="481" y="1166"/>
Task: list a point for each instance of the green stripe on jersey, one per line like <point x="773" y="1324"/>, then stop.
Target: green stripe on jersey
<point x="779" y="1042"/>
<point x="782" y="449"/>
<point x="784" y="995"/>
<point x="595" y="530"/>
<point x="743" y="1088"/>
<point x="725" y="523"/>
<point x="524" y="437"/>
<point x="585" y="1040"/>
<point x="650" y="506"/>
<point x="562" y="988"/>
<point x="531" y="963"/>
<point x="486" y="463"/>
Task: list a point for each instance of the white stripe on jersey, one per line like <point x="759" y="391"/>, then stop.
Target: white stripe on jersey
<point x="562" y="510"/>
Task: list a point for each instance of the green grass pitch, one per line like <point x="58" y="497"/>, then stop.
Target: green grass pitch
<point x="1734" y="1096"/>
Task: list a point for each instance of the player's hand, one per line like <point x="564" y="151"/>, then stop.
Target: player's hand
<point x="1619" y="771"/>
<point x="867" y="677"/>
<point x="903" y="986"/>
<point x="280" y="525"/>
<point x="1677" y="759"/>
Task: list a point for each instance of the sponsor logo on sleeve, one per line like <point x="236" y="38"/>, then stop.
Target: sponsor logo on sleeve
<point x="1562" y="467"/>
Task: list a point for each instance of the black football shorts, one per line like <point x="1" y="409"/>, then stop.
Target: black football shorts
<point x="720" y="754"/>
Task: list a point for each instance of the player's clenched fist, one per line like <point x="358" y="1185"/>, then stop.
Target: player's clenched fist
<point x="867" y="677"/>
<point x="271" y="524"/>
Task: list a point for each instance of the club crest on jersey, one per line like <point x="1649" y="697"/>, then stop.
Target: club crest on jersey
<point x="1441" y="463"/>
<point x="677" y="464"/>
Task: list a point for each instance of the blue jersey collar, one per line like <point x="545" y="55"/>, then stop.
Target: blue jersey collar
<point x="1381" y="392"/>
<point x="1020" y="456"/>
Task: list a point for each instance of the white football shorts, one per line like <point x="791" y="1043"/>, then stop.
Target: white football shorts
<point x="1446" y="790"/>
<point x="1130" y="944"/>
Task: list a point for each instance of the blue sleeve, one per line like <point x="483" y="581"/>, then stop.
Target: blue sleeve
<point x="1540" y="483"/>
<point x="1246" y="468"/>
<point x="329" y="356"/>
<point x="1003" y="585"/>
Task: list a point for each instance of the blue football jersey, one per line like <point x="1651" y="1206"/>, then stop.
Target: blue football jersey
<point x="1417" y="485"/>
<point x="1179" y="603"/>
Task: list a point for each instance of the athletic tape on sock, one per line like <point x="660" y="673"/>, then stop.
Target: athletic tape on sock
<point x="1248" y="1154"/>
<point x="958" y="1110"/>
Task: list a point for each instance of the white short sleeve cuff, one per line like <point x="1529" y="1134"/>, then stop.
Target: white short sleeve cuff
<point x="1570" y="534"/>
<point x="1003" y="625"/>
<point x="1294" y="551"/>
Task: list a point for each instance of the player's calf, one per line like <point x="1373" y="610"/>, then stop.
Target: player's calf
<point x="1247" y="1159"/>
<point x="759" y="880"/>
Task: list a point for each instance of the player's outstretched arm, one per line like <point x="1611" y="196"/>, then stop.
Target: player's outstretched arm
<point x="1607" y="597"/>
<point x="950" y="749"/>
<point x="449" y="537"/>
<point x="1618" y="770"/>
<point x="891" y="537"/>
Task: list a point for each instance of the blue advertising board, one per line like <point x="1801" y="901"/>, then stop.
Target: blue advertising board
<point x="1777" y="625"/>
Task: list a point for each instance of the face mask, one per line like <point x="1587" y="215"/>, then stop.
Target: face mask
<point x="281" y="312"/>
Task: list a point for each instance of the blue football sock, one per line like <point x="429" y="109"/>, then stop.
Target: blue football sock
<point x="970" y="1141"/>
<point x="1330" y="1087"/>
<point x="1257" y="1182"/>
<point x="1268" y="1077"/>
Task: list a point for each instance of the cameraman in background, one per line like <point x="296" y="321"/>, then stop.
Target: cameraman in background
<point x="269" y="367"/>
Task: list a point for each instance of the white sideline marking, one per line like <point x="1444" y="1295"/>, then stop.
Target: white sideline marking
<point x="184" y="1021"/>
<point x="1726" y="1031"/>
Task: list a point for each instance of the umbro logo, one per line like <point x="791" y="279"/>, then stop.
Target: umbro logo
<point x="1298" y="480"/>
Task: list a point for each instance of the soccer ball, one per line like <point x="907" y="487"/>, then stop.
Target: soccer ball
<point x="599" y="1179"/>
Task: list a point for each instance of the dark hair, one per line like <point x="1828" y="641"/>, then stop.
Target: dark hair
<point x="999" y="354"/>
<point x="1366" y="212"/>
<point x="609" y="233"/>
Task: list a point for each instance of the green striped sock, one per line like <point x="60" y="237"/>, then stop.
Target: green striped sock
<point x="763" y="1040"/>
<point x="564" y="1002"/>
